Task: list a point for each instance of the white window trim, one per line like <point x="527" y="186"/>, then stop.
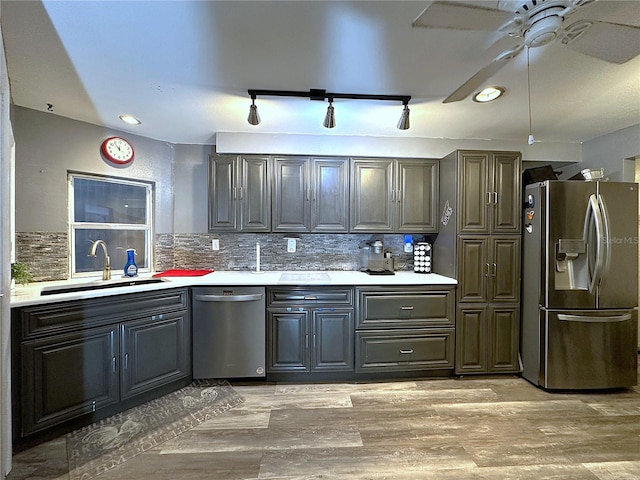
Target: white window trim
<point x="147" y="226"/>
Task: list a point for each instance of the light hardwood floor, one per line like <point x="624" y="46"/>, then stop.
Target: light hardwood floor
<point x="470" y="428"/>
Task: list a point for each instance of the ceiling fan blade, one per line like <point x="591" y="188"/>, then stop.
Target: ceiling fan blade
<point x="475" y="82"/>
<point x="610" y="42"/>
<point x="459" y="16"/>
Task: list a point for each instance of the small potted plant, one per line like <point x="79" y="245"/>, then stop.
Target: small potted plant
<point x="20" y="273"/>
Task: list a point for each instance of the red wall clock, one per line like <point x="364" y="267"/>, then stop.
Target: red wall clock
<point x="117" y="150"/>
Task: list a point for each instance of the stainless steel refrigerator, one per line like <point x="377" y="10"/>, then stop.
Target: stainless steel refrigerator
<point x="580" y="284"/>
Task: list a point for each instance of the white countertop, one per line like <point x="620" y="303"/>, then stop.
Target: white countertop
<point x="30" y="294"/>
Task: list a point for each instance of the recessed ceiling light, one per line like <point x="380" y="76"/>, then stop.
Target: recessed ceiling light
<point x="488" y="94"/>
<point x="131" y="120"/>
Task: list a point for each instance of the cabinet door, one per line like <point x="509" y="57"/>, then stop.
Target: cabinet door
<point x="471" y="340"/>
<point x="330" y="195"/>
<point x="66" y="376"/>
<point x="474" y="193"/>
<point x="505" y="269"/>
<point x="473" y="268"/>
<point x="504" y="343"/>
<point x="371" y="190"/>
<point x="416" y="196"/>
<point x="291" y="195"/>
<point x="332" y="340"/>
<point x="155" y="351"/>
<point x="288" y="340"/>
<point x="506" y="209"/>
<point x="255" y="195"/>
<point x="222" y="205"/>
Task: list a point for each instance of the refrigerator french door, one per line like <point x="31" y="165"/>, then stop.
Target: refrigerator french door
<point x="580" y="284"/>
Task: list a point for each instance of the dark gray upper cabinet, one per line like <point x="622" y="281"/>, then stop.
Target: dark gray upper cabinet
<point x="330" y="195"/>
<point x="310" y="194"/>
<point x="239" y="193"/>
<point x="291" y="195"/>
<point x="416" y="196"/>
<point x="371" y="195"/>
<point x="389" y="195"/>
<point x="490" y="199"/>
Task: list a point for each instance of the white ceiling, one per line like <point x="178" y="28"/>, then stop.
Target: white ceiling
<point x="184" y="68"/>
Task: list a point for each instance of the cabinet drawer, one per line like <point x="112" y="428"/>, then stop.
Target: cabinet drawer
<point x="402" y="350"/>
<point x="309" y="296"/>
<point x="393" y="309"/>
<point x="70" y="316"/>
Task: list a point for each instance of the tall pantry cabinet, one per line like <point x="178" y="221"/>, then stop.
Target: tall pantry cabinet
<point x="479" y="244"/>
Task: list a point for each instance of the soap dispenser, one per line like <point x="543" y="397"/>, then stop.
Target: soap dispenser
<point x="130" y="268"/>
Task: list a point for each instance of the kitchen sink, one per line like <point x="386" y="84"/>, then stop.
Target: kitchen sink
<point x="98" y="285"/>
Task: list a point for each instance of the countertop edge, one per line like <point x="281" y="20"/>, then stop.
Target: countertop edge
<point x="22" y="296"/>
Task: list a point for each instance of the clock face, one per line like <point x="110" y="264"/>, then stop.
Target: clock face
<point x="117" y="150"/>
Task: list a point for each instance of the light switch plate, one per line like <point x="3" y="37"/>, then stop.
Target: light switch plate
<point x="291" y="245"/>
<point x="215" y="244"/>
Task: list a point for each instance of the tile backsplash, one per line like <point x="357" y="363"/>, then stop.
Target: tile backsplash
<point x="46" y="253"/>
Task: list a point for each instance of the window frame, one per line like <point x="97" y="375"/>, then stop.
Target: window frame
<point x="147" y="226"/>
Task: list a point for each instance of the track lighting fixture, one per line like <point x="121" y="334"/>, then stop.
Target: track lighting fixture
<point x="254" y="118"/>
<point x="321" y="95"/>
<point x="403" y="123"/>
<point x="330" y="118"/>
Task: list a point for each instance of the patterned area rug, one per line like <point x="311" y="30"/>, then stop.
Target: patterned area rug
<point x="103" y="445"/>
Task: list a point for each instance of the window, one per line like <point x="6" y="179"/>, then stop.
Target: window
<point x="112" y="209"/>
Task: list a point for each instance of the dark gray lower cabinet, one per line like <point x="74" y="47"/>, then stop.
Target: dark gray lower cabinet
<point x="487" y="339"/>
<point x="154" y="352"/>
<point x="66" y="376"/>
<point x="82" y="357"/>
<point x="310" y="340"/>
<point x="401" y="350"/>
<point x="404" y="329"/>
<point x="309" y="330"/>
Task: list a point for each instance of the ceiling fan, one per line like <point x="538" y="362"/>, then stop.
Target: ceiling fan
<point x="535" y="23"/>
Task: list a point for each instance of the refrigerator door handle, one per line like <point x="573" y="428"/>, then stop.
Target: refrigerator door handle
<point x="594" y="216"/>
<point x="589" y="319"/>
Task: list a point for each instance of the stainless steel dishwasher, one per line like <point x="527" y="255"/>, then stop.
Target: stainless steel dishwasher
<point x="228" y="332"/>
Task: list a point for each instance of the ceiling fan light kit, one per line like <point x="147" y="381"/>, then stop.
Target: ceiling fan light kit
<point x="321" y="95"/>
<point x="489" y="94"/>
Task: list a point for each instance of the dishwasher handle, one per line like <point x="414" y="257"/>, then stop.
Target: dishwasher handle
<point x="229" y="298"/>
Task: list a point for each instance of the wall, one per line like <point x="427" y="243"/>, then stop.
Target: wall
<point x="6" y="155"/>
<point x="47" y="147"/>
<point x="399" y="147"/>
<point x="614" y="152"/>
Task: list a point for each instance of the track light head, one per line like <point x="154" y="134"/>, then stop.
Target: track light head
<point x="254" y="118"/>
<point x="330" y="118"/>
<point x="403" y="123"/>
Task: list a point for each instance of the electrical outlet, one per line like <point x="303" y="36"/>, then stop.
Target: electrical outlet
<point x="215" y="244"/>
<point x="291" y="245"/>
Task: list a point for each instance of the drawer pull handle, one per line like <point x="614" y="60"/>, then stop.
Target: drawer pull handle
<point x="406" y="352"/>
<point x="410" y="307"/>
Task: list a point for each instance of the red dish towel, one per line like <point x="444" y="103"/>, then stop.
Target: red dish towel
<point x="182" y="273"/>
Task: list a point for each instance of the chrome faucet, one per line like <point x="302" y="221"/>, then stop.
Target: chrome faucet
<point x="106" y="271"/>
